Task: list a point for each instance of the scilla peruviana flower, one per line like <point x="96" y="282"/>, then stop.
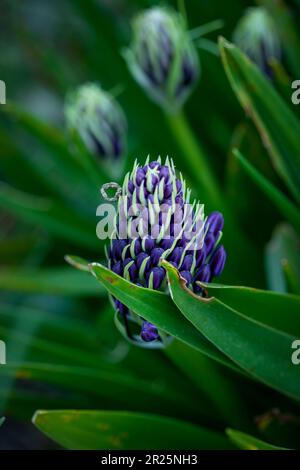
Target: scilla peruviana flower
<point x="98" y="120"/>
<point x="257" y="36"/>
<point x="174" y="229"/>
<point x="162" y="57"/>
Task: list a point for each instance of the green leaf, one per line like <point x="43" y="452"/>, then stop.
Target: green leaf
<point x="157" y="308"/>
<point x="278" y="126"/>
<point x="246" y="442"/>
<point x="283" y="204"/>
<point x="264" y="306"/>
<point x="209" y="379"/>
<point x="118" y="389"/>
<point x="49" y="214"/>
<point x="112" y="430"/>
<point x="55" y="281"/>
<point x="2" y="420"/>
<point x="283" y="260"/>
<point x="50" y="351"/>
<point x="263" y="352"/>
<point x="50" y="327"/>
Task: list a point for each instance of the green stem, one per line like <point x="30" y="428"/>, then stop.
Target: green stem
<point x="196" y="159"/>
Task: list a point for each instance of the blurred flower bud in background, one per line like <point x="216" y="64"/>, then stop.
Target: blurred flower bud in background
<point x="99" y="121"/>
<point x="162" y="57"/>
<point x="256" y="35"/>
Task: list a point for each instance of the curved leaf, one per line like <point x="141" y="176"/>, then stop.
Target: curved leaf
<point x="263" y="352"/>
<point x="278" y="126"/>
<point x="113" y="430"/>
<point x="156" y="307"/>
<point x="283" y="204"/>
<point x="246" y="442"/>
<point x="282" y="257"/>
<point x="280" y="311"/>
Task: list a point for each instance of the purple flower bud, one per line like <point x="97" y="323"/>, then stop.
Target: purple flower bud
<point x="187" y="276"/>
<point x="156" y="253"/>
<point x="215" y="222"/>
<point x="176" y="255"/>
<point x="166" y="243"/>
<point x="149" y="332"/>
<point x="187" y="263"/>
<point x="132" y="270"/>
<point x="140" y="175"/>
<point x="117" y="249"/>
<point x="164" y="173"/>
<point x="210" y="241"/>
<point x="200" y="257"/>
<point x="203" y="274"/>
<point x="217" y="261"/>
<point x="168" y="189"/>
<point x="140" y="258"/>
<point x="148" y="244"/>
<point x="123" y="310"/>
<point x="158" y="277"/>
<point x="118" y="268"/>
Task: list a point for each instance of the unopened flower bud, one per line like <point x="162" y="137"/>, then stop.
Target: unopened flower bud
<point x="99" y="121"/>
<point x="138" y="259"/>
<point x="257" y="36"/>
<point x="162" y="57"/>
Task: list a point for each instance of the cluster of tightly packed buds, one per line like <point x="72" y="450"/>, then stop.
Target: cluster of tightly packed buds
<point x="98" y="119"/>
<point x="198" y="257"/>
<point x="162" y="58"/>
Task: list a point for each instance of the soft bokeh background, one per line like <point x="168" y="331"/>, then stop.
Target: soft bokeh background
<point x="48" y="48"/>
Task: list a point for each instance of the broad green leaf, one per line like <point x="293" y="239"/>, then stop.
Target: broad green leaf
<point x="282" y="258"/>
<point x="283" y="204"/>
<point x="246" y="442"/>
<point x="2" y="421"/>
<point x="118" y="389"/>
<point x="278" y="126"/>
<point x="58" y="281"/>
<point x="50" y="215"/>
<point x="157" y="308"/>
<point x="274" y="309"/>
<point x="263" y="352"/>
<point x="113" y="430"/>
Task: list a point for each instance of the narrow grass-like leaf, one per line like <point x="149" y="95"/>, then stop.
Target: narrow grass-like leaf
<point x="56" y="281"/>
<point x="112" y="430"/>
<point x="283" y="204"/>
<point x="50" y="215"/>
<point x="282" y="258"/>
<point x="118" y="389"/>
<point x="277" y="124"/>
<point x="263" y="352"/>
